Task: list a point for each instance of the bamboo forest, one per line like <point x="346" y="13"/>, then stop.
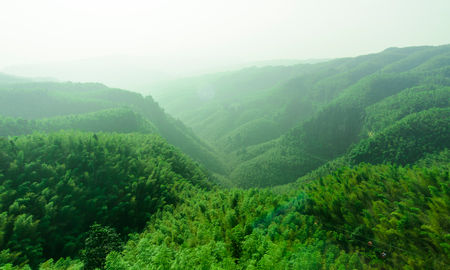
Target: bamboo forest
<point x="330" y="163"/>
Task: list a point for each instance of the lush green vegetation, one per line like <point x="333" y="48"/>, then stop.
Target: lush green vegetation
<point x="38" y="100"/>
<point x="346" y="164"/>
<point x="328" y="224"/>
<point x="406" y="141"/>
<point x="368" y="217"/>
<point x="217" y="104"/>
<point x="122" y="120"/>
<point x="394" y="108"/>
<point x="375" y="104"/>
<point x="53" y="187"/>
<point x="271" y="124"/>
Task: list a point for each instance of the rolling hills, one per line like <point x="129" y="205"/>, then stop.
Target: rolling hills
<point x="341" y="164"/>
<point x="38" y="100"/>
<point x="306" y="115"/>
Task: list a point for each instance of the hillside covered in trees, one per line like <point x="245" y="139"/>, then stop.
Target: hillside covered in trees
<point x="39" y="100"/>
<point x="341" y="164"/>
<point x="369" y="217"/>
<point x="276" y="124"/>
<point x="55" y="186"/>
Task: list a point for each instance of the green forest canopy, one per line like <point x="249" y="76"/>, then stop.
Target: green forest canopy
<point x="353" y="154"/>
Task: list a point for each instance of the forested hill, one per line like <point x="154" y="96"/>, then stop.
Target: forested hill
<point x="368" y="217"/>
<point x="38" y="100"/>
<point x="54" y="187"/>
<point x="220" y="106"/>
<point x="278" y="123"/>
<point x="121" y="120"/>
<point x="335" y="165"/>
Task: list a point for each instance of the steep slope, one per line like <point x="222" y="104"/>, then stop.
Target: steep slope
<point x="80" y="194"/>
<point x="361" y="110"/>
<point x="415" y="139"/>
<point x="394" y="108"/>
<point x="223" y="107"/>
<point x="406" y="141"/>
<point x="40" y="100"/>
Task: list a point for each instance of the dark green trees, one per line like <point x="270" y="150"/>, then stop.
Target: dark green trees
<point x="389" y="109"/>
<point x="53" y="187"/>
<point x="100" y="241"/>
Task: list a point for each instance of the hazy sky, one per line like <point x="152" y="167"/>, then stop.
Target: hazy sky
<point x="219" y="32"/>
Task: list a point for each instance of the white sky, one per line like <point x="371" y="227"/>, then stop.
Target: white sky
<point x="207" y="31"/>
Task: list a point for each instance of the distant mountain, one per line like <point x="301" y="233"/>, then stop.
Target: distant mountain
<point x="8" y="79"/>
<point x="278" y="123"/>
<point x="281" y="62"/>
<point x="333" y="165"/>
<point x="137" y="73"/>
<point x="115" y="71"/>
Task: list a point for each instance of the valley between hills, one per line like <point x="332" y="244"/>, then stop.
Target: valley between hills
<point x="336" y="164"/>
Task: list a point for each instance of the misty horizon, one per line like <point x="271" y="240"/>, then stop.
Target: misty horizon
<point x="206" y="134"/>
<point x="134" y="44"/>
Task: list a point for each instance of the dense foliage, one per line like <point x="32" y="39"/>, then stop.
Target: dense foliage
<point x="407" y="140"/>
<point x="100" y="241"/>
<point x="37" y="100"/>
<point x="373" y="106"/>
<point x="120" y="120"/>
<point x="53" y="187"/>
<point x="370" y="217"/>
<point x="88" y="179"/>
<point x="217" y="105"/>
